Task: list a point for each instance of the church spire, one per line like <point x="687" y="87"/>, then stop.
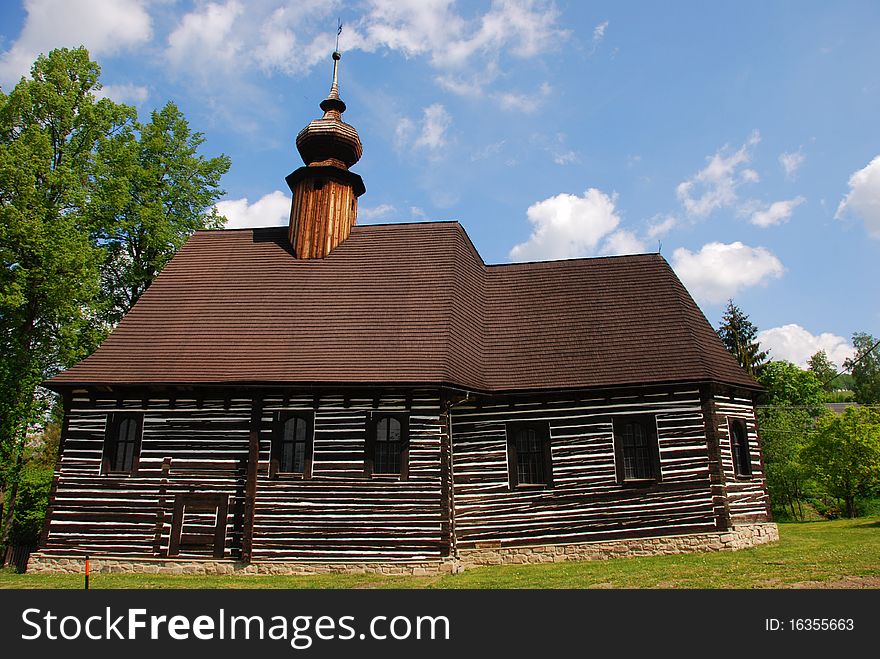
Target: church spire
<point x="325" y="192"/>
<point x="333" y="103"/>
<point x="330" y="138"/>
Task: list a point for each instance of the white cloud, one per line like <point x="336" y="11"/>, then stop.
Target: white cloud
<point x="863" y="198"/>
<point x="566" y="158"/>
<point x="205" y="39"/>
<point x="271" y="210"/>
<point x="428" y="134"/>
<point x="795" y="344"/>
<point x="125" y="93"/>
<point x="791" y="162"/>
<point x="557" y="146"/>
<point x="598" y="35"/>
<point x="776" y="213"/>
<point x="105" y="28"/>
<point x="434" y="124"/>
<point x="371" y="214"/>
<point x="622" y="241"/>
<point x="660" y="226"/>
<point x="465" y="47"/>
<point x="719" y="271"/>
<point x="432" y="27"/>
<point x="715" y="186"/>
<point x="567" y="226"/>
<point x="489" y="151"/>
<point x="280" y="48"/>
<point x="527" y="103"/>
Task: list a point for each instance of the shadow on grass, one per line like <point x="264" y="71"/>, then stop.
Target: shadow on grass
<point x="867" y="525"/>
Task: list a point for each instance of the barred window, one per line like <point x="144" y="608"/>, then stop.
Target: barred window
<point x="387" y="448"/>
<point x="635" y="449"/>
<point x="528" y="452"/>
<point x="739" y="447"/>
<point x="292" y="444"/>
<point x="122" y="443"/>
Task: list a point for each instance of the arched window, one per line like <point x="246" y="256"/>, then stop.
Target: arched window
<point x="122" y="443"/>
<point x="292" y="445"/>
<point x="739" y="447"/>
<point x="387" y="445"/>
<point x="635" y="449"/>
<point x="528" y="453"/>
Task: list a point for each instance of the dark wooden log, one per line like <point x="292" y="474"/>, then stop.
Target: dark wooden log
<point x="250" y="493"/>
<point x="717" y="475"/>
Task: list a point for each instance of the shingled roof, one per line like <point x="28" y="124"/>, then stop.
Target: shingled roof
<point x="406" y="303"/>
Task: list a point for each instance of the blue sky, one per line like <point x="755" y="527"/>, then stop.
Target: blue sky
<point x="742" y="136"/>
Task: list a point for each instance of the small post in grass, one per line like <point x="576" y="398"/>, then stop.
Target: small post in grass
<point x="87" y="571"/>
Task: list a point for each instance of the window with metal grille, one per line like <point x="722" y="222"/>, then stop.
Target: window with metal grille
<point x="528" y="453"/>
<point x="292" y="445"/>
<point x="739" y="447"/>
<point x="635" y="449"/>
<point x="387" y="446"/>
<point x="122" y="443"/>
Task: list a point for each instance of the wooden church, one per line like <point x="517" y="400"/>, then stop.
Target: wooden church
<point x="334" y="397"/>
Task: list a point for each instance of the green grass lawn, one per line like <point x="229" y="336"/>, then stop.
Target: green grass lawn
<point x="841" y="554"/>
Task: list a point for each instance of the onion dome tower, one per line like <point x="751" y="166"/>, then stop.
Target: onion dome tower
<point x="325" y="192"/>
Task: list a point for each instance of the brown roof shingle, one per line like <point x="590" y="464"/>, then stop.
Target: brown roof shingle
<point x="406" y="303"/>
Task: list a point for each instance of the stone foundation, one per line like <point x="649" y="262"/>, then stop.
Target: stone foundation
<point x="42" y="563"/>
<point x="739" y="537"/>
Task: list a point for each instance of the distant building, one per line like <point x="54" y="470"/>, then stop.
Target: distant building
<point x="330" y="397"/>
<point x="838" y="408"/>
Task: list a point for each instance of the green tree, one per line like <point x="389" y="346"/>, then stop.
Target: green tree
<point x="787" y="385"/>
<point x="155" y="190"/>
<point x="92" y="206"/>
<point x="844" y="454"/>
<point x="865" y="369"/>
<point x="792" y="400"/>
<point x="50" y="127"/>
<point x="740" y="336"/>
<point x="825" y="370"/>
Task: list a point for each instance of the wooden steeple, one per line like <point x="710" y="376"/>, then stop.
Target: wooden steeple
<point x="324" y="191"/>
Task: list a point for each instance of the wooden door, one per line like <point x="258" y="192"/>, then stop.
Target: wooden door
<point x="199" y="524"/>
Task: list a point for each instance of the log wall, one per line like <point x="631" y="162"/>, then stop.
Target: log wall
<point x="586" y="503"/>
<point x="202" y="446"/>
<point x="463" y="502"/>
<point x="338" y="514"/>
<point x="747" y="497"/>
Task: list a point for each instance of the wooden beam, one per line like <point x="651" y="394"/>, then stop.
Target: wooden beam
<point x="160" y="513"/>
<point x="447" y="515"/>
<point x="717" y="478"/>
<point x="768" y="507"/>
<point x="250" y="491"/>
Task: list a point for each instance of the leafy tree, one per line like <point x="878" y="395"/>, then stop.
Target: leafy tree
<point x="50" y="127"/>
<point x="825" y="370"/>
<point x="739" y="336"/>
<point x="844" y="454"/>
<point x="92" y="206"/>
<point x="865" y="369"/>
<point x="155" y="190"/>
<point x="30" y="513"/>
<point x="793" y="398"/>
<point x="787" y="385"/>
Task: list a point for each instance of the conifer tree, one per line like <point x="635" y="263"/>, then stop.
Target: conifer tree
<point x="740" y="336"/>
